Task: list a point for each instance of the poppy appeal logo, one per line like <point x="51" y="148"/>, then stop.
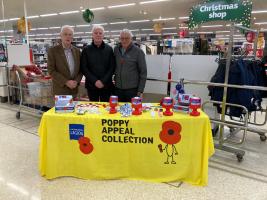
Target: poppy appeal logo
<point x="170" y="135"/>
<point x="76" y="131"/>
<point x="85" y="146"/>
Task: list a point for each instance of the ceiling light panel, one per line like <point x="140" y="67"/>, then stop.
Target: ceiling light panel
<point x="147" y="29"/>
<point x="140" y="21"/>
<point x="13" y="19"/>
<point x="184" y="17"/>
<point x="54" y="27"/>
<point x="235" y="24"/>
<point x="169" y="33"/>
<point x="83" y="25"/>
<point x="169" y="28"/>
<point x="101" y="24"/>
<point x="222" y="31"/>
<point x="204" y="32"/>
<point x="258" y="11"/>
<point x="48" y="15"/>
<point x="122" y="5"/>
<point x="212" y="26"/>
<point x="41" y="28"/>
<point x="261" y="23"/>
<point x="153" y="1"/>
<point x="112" y="23"/>
<point x="164" y="19"/>
<point x="32" y="17"/>
<point x="95" y="9"/>
<point x="69" y="12"/>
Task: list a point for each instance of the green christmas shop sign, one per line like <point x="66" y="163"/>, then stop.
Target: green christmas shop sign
<point x="238" y="11"/>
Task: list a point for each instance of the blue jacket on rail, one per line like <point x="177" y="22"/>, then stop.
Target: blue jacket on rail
<point x="241" y="72"/>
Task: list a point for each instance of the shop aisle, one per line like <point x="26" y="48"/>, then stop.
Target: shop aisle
<point x="20" y="179"/>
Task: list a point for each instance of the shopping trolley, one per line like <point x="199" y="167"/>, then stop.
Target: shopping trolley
<point x="33" y="90"/>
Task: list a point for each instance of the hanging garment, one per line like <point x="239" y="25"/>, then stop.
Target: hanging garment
<point x="241" y="72"/>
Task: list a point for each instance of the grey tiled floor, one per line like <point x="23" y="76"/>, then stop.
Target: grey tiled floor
<point x="20" y="179"/>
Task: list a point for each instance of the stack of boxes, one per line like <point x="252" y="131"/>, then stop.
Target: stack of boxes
<point x="181" y="100"/>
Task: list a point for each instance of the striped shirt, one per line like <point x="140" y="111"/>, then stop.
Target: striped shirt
<point x="70" y="60"/>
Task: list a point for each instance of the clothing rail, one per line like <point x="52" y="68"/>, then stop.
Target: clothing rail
<point x="197" y="82"/>
<point x="239" y="153"/>
<point x="227" y="69"/>
<point x="245" y="28"/>
<point x="242" y="126"/>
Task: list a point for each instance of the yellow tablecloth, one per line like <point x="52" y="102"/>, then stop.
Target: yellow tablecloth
<point x="115" y="147"/>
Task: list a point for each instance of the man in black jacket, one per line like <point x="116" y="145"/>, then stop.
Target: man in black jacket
<point x="97" y="65"/>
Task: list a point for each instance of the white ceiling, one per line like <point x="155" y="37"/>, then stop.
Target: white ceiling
<point x="168" y="9"/>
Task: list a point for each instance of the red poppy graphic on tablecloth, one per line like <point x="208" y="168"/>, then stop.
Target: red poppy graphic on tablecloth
<point x="170" y="135"/>
<point x="85" y="146"/>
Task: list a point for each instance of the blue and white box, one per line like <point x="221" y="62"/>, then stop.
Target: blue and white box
<point x="64" y="104"/>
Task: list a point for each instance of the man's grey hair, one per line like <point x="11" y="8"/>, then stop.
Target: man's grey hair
<point x="67" y="27"/>
<point x="127" y="31"/>
<point x="98" y="27"/>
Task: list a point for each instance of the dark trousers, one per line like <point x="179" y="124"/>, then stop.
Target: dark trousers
<point x="102" y="95"/>
<point x="125" y="95"/>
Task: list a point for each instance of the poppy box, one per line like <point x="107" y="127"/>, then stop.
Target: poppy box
<point x="181" y="108"/>
<point x="184" y="99"/>
<point x="64" y="104"/>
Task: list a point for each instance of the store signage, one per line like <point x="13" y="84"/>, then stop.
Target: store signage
<point x="237" y="11"/>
